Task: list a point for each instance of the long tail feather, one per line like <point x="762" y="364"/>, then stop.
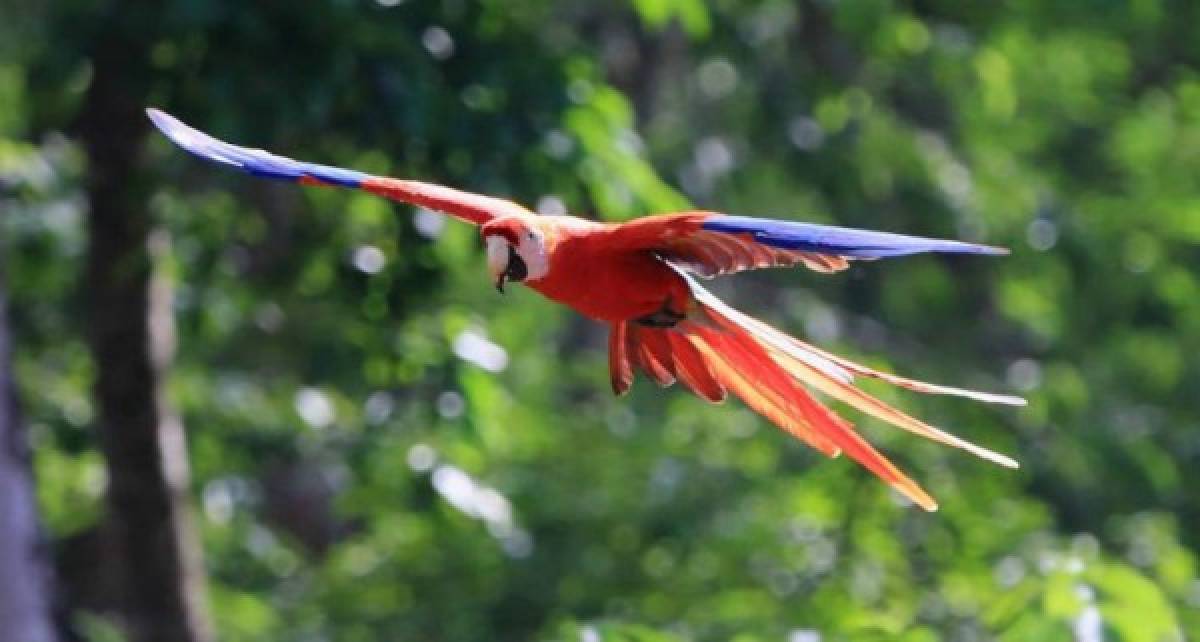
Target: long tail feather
<point x="840" y="367"/>
<point x="832" y="429"/>
<point x="845" y="392"/>
<point x="708" y="358"/>
<point x="762" y="390"/>
<point x="834" y="377"/>
<point x="909" y="384"/>
<point x="718" y="349"/>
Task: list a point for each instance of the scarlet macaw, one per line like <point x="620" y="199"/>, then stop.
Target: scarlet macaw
<point x="638" y="277"/>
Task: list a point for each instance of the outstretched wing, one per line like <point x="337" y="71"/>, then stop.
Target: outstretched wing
<point x="711" y="244"/>
<point x="473" y="208"/>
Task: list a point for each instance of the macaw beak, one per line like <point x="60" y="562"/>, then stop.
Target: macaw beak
<point x="504" y="262"/>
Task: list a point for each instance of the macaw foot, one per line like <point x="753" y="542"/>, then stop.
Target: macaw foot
<point x="665" y="317"/>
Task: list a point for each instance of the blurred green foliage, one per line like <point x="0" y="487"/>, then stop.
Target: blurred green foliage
<point x="385" y="449"/>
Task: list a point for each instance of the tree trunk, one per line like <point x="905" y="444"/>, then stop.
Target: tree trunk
<point x="25" y="605"/>
<point x="158" y="560"/>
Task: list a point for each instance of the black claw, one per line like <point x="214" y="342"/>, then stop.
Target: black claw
<point x="665" y="317"/>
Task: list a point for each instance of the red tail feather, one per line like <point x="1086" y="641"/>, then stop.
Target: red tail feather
<point x="693" y="369"/>
<point x="764" y="392"/>
<point x="653" y="354"/>
<point x="743" y="353"/>
<point x="619" y="367"/>
<point x="718" y="349"/>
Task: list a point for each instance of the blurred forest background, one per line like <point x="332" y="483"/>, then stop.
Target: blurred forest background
<point x="253" y="411"/>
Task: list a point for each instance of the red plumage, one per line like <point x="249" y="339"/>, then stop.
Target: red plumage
<point x="637" y="277"/>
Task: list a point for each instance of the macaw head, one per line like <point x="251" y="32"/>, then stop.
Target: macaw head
<point x="516" y="251"/>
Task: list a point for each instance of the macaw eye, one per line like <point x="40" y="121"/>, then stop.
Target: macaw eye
<point x="516" y="270"/>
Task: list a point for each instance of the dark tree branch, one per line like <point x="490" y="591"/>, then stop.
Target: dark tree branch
<point x="157" y="560"/>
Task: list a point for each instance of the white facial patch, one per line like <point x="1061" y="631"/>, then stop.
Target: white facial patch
<point x="497" y="255"/>
<point x="532" y="250"/>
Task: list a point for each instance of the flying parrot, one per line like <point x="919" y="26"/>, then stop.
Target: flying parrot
<point x="639" y="277"/>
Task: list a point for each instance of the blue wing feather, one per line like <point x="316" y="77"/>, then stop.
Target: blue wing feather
<point x="841" y="241"/>
<point x="788" y="235"/>
<point x="254" y="161"/>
